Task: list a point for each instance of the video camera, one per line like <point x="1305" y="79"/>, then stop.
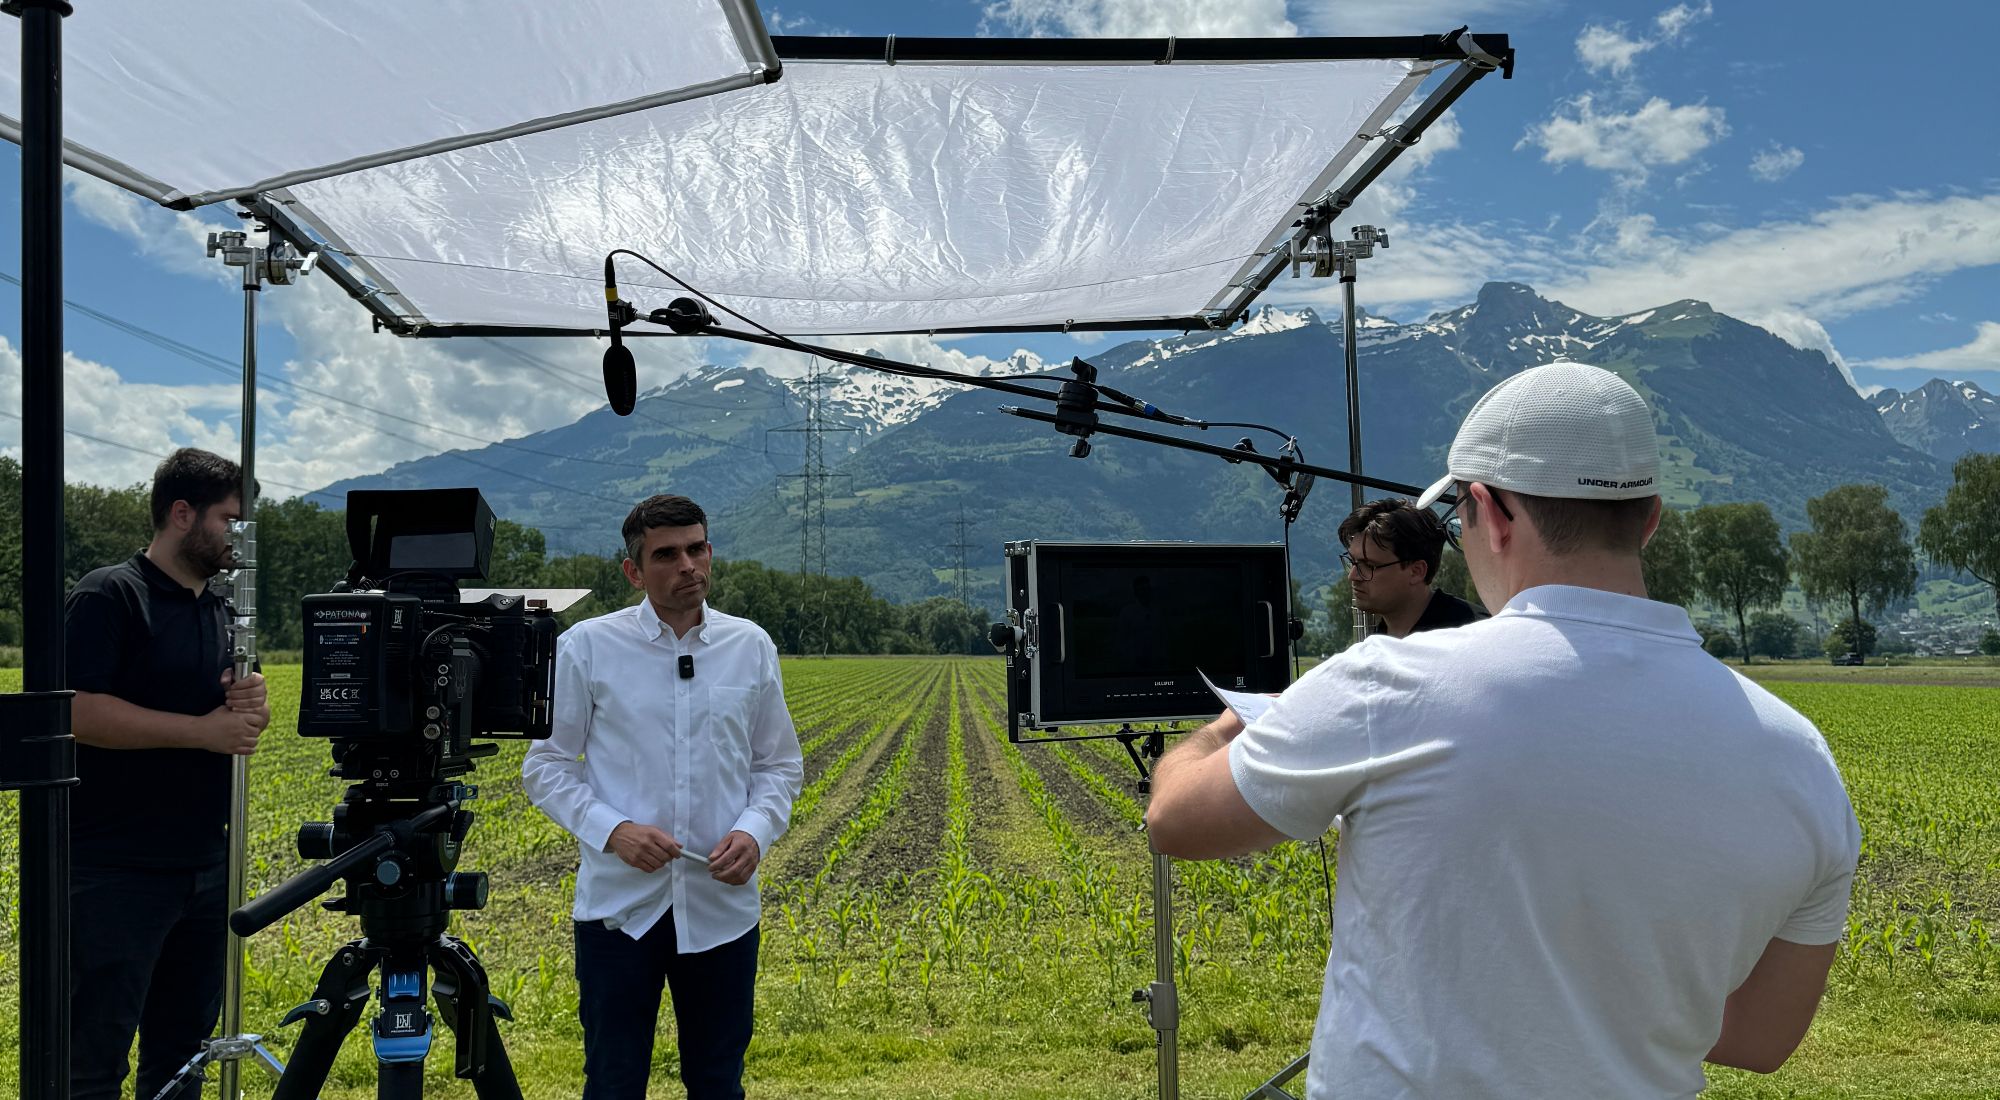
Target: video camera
<point x="402" y="673"/>
<point x="400" y="670"/>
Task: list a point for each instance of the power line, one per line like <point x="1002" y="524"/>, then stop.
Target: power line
<point x="220" y="365"/>
<point x="302" y="490"/>
<point x="812" y="478"/>
<point x="156" y="454"/>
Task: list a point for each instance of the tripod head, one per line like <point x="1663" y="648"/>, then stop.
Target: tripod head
<point x="399" y="858"/>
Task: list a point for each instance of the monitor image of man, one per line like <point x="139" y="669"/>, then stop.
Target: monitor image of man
<point x="1391" y="549"/>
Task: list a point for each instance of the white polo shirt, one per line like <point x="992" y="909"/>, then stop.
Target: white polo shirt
<point x="1568" y="833"/>
<point x="697" y="757"/>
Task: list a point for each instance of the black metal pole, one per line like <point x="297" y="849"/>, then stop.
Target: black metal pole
<point x="45" y="915"/>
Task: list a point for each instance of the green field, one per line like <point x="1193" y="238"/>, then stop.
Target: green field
<point x="954" y="916"/>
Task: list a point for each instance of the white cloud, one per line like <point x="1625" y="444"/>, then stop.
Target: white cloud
<point x="487" y="389"/>
<point x="134" y="425"/>
<point x="1981" y="353"/>
<point x="1675" y="21"/>
<point x="1409" y="16"/>
<point x="1604" y="49"/>
<point x="1626" y="144"/>
<point x="1802" y="332"/>
<point x="1776" y="162"/>
<point x="1859" y="255"/>
<point x="176" y="240"/>
<point x="1610" y="49"/>
<point x="1141" y="18"/>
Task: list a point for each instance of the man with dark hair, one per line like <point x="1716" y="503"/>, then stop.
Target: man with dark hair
<point x="157" y="715"/>
<point x="1578" y="855"/>
<point x="674" y="763"/>
<point x="1392" y="553"/>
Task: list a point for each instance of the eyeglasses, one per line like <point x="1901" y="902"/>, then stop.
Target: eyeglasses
<point x="1362" y="568"/>
<point x="1454" y="524"/>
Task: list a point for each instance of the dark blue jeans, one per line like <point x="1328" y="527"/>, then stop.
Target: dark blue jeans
<point x="620" y="979"/>
<point x="146" y="955"/>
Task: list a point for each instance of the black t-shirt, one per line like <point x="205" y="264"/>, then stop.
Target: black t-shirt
<point x="136" y="633"/>
<point x="1442" y="611"/>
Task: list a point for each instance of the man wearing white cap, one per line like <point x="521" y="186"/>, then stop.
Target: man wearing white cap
<point x="1578" y="855"/>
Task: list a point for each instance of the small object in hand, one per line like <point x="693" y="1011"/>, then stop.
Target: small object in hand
<point x="696" y="856"/>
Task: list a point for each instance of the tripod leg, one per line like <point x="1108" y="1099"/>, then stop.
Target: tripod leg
<point x="399" y="1081"/>
<point x="336" y="1007"/>
<point x="468" y="1008"/>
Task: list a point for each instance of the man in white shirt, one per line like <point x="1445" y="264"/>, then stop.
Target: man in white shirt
<point x="1578" y="856"/>
<point x="674" y="763"/>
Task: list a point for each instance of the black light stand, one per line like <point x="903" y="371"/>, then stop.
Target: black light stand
<point x="1161" y="997"/>
<point x="37" y="755"/>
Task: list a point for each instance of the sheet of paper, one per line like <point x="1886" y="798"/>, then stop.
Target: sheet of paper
<point x="1248" y="705"/>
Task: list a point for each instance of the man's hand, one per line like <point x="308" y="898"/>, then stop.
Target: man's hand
<point x="643" y="846"/>
<point x="735" y="859"/>
<point x="230" y="732"/>
<point x="248" y="697"/>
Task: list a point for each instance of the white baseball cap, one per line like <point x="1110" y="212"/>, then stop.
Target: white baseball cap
<point x="1560" y="430"/>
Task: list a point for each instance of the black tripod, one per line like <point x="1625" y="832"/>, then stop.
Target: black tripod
<point x="402" y="883"/>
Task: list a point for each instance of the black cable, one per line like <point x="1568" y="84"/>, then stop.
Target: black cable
<point x="909" y="370"/>
<point x="1286" y="436"/>
<point x="156" y="454"/>
<point x="223" y="366"/>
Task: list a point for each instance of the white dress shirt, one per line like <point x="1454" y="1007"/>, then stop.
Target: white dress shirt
<point x="697" y="758"/>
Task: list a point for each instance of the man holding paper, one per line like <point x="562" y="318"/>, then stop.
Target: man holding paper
<point x="674" y="763"/>
<point x="1578" y="855"/>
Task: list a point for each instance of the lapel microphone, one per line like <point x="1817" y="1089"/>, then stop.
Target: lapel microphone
<point x="687" y="666"/>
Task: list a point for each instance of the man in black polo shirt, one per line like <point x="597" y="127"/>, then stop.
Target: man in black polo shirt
<point x="157" y="717"/>
<point x="1392" y="556"/>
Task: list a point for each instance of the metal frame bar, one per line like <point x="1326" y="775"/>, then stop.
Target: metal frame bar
<point x="290" y="220"/>
<point x="759" y="55"/>
<point x="1135" y="51"/>
<point x="1477" y="61"/>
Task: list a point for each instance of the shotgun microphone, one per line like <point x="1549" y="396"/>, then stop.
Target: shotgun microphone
<point x="621" y="373"/>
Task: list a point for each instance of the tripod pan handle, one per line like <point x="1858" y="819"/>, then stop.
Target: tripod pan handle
<point x="273" y="904"/>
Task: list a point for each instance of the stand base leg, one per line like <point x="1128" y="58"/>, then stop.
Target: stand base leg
<point x="1274" y="1089"/>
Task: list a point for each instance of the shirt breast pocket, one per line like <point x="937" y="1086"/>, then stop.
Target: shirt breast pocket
<point x="730" y="713"/>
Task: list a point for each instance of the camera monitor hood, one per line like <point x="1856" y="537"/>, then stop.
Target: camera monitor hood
<point x="440" y="532"/>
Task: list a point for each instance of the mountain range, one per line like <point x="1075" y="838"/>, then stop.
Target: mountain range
<point x="1945" y="419"/>
<point x="1742" y="414"/>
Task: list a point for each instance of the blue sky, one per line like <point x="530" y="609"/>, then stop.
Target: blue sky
<point x="1826" y="170"/>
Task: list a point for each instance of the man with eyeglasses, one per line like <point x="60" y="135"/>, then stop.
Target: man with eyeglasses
<point x="1578" y="855"/>
<point x="1392" y="553"/>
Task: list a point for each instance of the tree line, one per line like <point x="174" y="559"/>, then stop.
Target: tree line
<point x="302" y="548"/>
<point x="1857" y="555"/>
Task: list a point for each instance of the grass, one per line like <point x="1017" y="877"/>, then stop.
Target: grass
<point x="994" y="955"/>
